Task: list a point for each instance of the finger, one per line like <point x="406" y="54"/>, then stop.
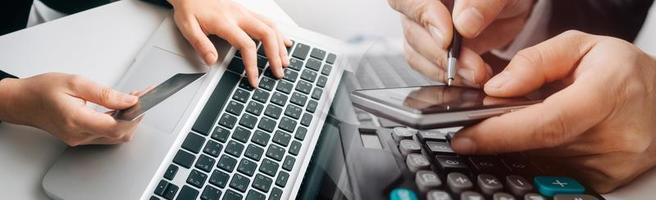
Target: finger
<point x="260" y="31"/>
<point x="282" y="40"/>
<point x="93" y="122"/>
<point x="432" y="15"/>
<point x="101" y="95"/>
<point x="239" y="39"/>
<point x="490" y="37"/>
<point x="548" y="61"/>
<point x="430" y="70"/>
<point x="192" y="31"/>
<point x="470" y="17"/>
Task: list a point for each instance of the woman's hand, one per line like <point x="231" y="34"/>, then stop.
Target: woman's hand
<point x="57" y="103"/>
<point x="197" y="19"/>
<point x="602" y="123"/>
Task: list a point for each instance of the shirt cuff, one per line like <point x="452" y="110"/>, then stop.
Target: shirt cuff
<point x="534" y="31"/>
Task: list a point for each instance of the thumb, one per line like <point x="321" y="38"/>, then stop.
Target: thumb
<point x="102" y="95"/>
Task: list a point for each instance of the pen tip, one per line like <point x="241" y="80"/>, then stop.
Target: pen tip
<point x="449" y="82"/>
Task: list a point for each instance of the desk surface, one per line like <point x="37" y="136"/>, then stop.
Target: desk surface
<point x="100" y="44"/>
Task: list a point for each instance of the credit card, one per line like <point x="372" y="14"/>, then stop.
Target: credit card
<point x="157" y="95"/>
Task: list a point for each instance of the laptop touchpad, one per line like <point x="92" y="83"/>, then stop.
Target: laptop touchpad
<point x="156" y="66"/>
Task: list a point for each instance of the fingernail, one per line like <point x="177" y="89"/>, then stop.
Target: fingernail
<point x="437" y="34"/>
<point x="463" y="145"/>
<point x="129" y="98"/>
<point x="210" y="58"/>
<point x="471" y="21"/>
<point x="498" y="81"/>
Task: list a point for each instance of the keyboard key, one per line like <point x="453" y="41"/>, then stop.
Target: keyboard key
<point x="288" y="164"/>
<point x="535" y="196"/>
<point x="184" y="159"/>
<point x="241" y="134"/>
<point x="276" y="193"/>
<point x="298" y="99"/>
<point x="269" y="167"/>
<point x="312" y="106"/>
<point x="269" y="73"/>
<point x="287" y="124"/>
<point x="519" y="166"/>
<point x="318" y="53"/>
<point x="213" y="148"/>
<point x="219" y="178"/>
<point x="307" y="119"/>
<point x="261" y="96"/>
<point x="575" y="197"/>
<point x="153" y="198"/>
<point x="458" y="182"/>
<point x="438" y="195"/>
<point x="427" y="180"/>
<point x="489" y="184"/>
<point x="451" y="163"/>
<point x="247" y="167"/>
<point x="313" y="64"/>
<point x="402" y="194"/>
<point x="234" y="108"/>
<point x="221" y="134"/>
<point x="416" y="162"/>
<point x="502" y="196"/>
<point x="489" y="164"/>
<point x="255" y="195"/>
<point x="227" y="163"/>
<point x="205" y="163"/>
<point x="275" y="152"/>
<point x="206" y="118"/>
<point x="439" y="148"/>
<point x="426" y="136"/>
<point x="170" y="191"/>
<point x="285" y="86"/>
<point x="260" y="138"/>
<point x="210" y="193"/>
<point x="193" y="142"/>
<point x="402" y="133"/>
<point x="326" y="69"/>
<point x="293" y="111"/>
<point x="248" y="121"/>
<point x="267" y="124"/>
<point x="262" y="183"/>
<point x="234" y="148"/>
<point x="279" y="99"/>
<point x="282" y="179"/>
<point x="267" y="83"/>
<point x="518" y="185"/>
<point x="254" y="152"/>
<point x="273" y="111"/>
<point x="228" y="120"/>
<point x="469" y="195"/>
<point x="244" y="84"/>
<point x="304" y="87"/>
<point x="260" y="51"/>
<point x="409" y="146"/>
<point x="171" y="171"/>
<point x="331" y="58"/>
<point x="309" y="75"/>
<point x="301" y="51"/>
<point x="552" y="185"/>
<point x="241" y="95"/>
<point x="300" y="133"/>
<point x="232" y="195"/>
<point x="196" y="178"/>
<point x="161" y="187"/>
<point x="282" y="138"/>
<point x="295" y="148"/>
<point x="236" y="65"/>
<point x="239" y="182"/>
<point x="316" y="93"/>
<point x="321" y="82"/>
<point x="291" y="75"/>
<point x="295" y="64"/>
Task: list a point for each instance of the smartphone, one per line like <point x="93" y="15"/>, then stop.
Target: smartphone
<point x="428" y="107"/>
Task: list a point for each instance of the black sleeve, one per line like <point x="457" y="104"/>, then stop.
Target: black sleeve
<point x="160" y="2"/>
<point x="13" y="15"/>
<point x="617" y="18"/>
<point x="4" y="75"/>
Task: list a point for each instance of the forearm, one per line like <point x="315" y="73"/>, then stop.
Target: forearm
<point x="7" y="90"/>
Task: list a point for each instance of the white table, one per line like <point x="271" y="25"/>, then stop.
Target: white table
<point x="100" y="44"/>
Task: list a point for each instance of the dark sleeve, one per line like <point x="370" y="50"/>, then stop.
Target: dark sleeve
<point x="4" y="75"/>
<point x="617" y="18"/>
<point x="13" y="15"/>
<point x="160" y="2"/>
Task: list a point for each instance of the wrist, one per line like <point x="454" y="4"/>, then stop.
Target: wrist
<point x="8" y="90"/>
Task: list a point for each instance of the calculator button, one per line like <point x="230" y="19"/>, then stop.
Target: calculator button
<point x="416" y="162"/>
<point x="427" y="180"/>
<point x="503" y="196"/>
<point x="575" y="197"/>
<point x="458" y="182"/>
<point x="552" y="185"/>
<point x="438" y="195"/>
<point x="469" y="195"/>
<point x="402" y="194"/>
<point x="409" y="146"/>
<point x="518" y="185"/>
<point x="489" y="184"/>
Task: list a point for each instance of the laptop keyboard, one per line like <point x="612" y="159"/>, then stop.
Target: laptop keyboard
<point x="245" y="141"/>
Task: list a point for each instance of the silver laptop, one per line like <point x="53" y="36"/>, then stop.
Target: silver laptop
<point x="218" y="138"/>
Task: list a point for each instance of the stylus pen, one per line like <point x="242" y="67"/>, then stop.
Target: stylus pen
<point x="452" y="57"/>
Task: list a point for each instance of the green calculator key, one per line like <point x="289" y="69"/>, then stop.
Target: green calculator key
<point x="552" y="185"/>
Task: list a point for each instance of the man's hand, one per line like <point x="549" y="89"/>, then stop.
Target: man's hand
<point x="57" y="103"/>
<point x="602" y="124"/>
<point x="197" y="19"/>
<point x="485" y="25"/>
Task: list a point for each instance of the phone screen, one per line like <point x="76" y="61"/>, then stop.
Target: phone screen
<point x="439" y="99"/>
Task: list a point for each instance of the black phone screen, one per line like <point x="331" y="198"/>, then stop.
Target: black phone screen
<point x="440" y="99"/>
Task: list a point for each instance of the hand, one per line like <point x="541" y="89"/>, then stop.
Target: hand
<point x="57" y="103"/>
<point x="602" y="123"/>
<point x="197" y="19"/>
<point x="484" y="25"/>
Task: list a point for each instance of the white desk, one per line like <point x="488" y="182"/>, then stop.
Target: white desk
<point x="100" y="44"/>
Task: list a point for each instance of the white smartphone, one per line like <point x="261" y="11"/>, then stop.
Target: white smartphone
<point x="429" y="107"/>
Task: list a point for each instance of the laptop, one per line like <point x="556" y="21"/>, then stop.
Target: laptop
<point x="218" y="138"/>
